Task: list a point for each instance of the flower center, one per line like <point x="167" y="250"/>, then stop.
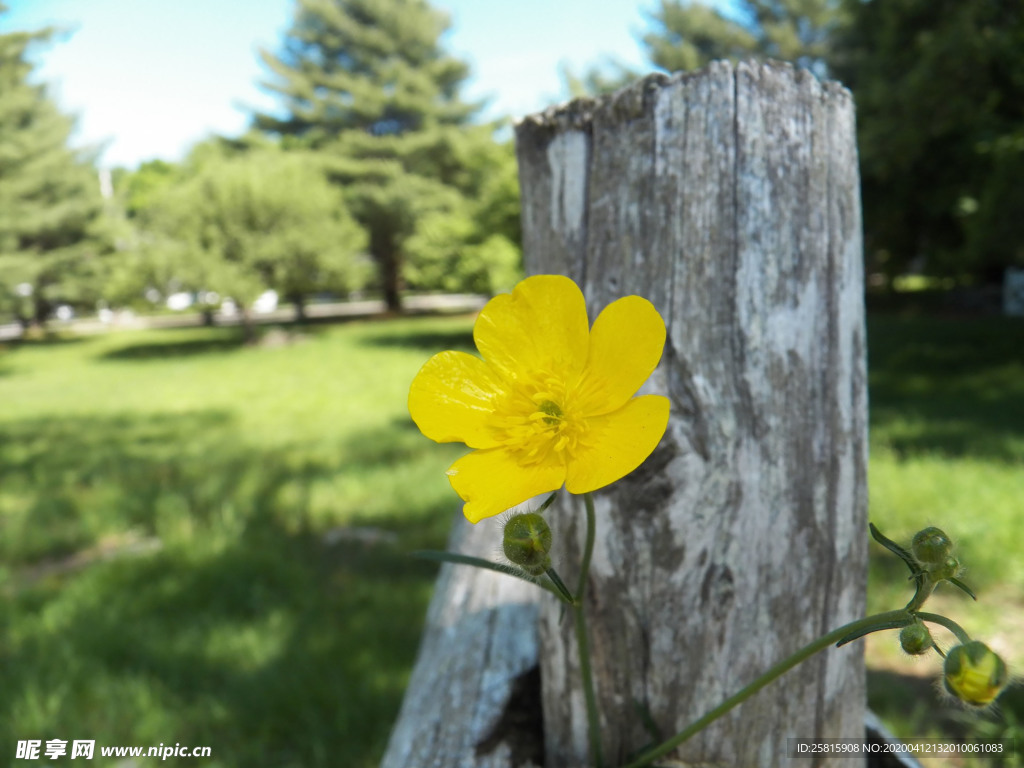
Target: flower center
<point x="554" y="413"/>
<point x="538" y="423"/>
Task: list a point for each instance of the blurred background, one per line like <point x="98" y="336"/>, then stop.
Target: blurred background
<point x="230" y="234"/>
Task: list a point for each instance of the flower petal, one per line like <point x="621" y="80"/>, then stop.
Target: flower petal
<point x="626" y="343"/>
<point x="617" y="443"/>
<point x="540" y="327"/>
<point x="451" y="399"/>
<point x="492" y="481"/>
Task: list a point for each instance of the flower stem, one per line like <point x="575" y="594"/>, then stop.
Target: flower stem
<point x="777" y="671"/>
<point x="582" y="641"/>
<point x="949" y="624"/>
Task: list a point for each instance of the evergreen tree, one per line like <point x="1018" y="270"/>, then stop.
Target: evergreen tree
<point x="939" y="86"/>
<point x="369" y="65"/>
<point x="49" y="195"/>
<point x="688" y="35"/>
<point x="368" y="82"/>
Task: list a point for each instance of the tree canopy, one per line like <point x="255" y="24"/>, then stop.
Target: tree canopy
<point x="368" y="83"/>
<point x="368" y="65"/>
<point x="238" y="225"/>
<point x="939" y="86"/>
<point x="49" y="194"/>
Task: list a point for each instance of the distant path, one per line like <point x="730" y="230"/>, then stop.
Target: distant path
<point x="439" y="303"/>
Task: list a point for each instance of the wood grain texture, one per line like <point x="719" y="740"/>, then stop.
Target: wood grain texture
<point x="729" y="198"/>
<point x="473" y="700"/>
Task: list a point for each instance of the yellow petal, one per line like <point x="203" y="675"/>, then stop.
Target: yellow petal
<point x="451" y="399"/>
<point x="491" y="482"/>
<point x="539" y="328"/>
<point x="626" y="343"/>
<point x="617" y="443"/>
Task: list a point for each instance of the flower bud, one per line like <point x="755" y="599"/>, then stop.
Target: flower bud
<point x="527" y="541"/>
<point x="916" y="639"/>
<point x="974" y="673"/>
<point x="931" y="547"/>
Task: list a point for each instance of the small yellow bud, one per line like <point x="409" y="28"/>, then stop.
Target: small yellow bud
<point x="974" y="674"/>
<point x="527" y="541"/>
<point x="916" y="639"/>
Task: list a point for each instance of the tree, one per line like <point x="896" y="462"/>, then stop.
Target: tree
<point x="49" y="195"/>
<point x="239" y="225"/>
<point x="368" y="82"/>
<point x="939" y="86"/>
<point x="597" y="80"/>
<point x="475" y="244"/>
<point x="687" y="35"/>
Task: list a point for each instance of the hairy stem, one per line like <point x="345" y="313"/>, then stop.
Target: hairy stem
<point x="583" y="642"/>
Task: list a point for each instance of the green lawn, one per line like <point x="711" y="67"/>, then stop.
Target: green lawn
<point x="947" y="449"/>
<point x="204" y="542"/>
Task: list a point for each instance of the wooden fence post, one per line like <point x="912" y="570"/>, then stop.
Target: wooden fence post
<point x="729" y="198"/>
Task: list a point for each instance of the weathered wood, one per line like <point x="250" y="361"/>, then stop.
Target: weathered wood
<point x="729" y="198"/>
<point x="473" y="698"/>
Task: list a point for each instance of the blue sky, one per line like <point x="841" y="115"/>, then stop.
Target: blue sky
<point x="147" y="78"/>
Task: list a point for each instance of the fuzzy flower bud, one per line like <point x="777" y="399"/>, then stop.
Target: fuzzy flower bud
<point x="974" y="674"/>
<point x="527" y="541"/>
<point x="916" y="639"/>
<point x="931" y="547"/>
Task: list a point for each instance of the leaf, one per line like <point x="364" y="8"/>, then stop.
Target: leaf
<point x="894" y="624"/>
<point x="957" y="583"/>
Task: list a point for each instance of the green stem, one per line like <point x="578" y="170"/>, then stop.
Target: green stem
<point x="439" y="556"/>
<point x="583" y="643"/>
<point x="777" y="671"/>
<point x="949" y="624"/>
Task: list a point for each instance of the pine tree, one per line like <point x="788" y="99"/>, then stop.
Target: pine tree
<point x="368" y="82"/>
<point x="370" y="65"/>
<point x="49" y="194"/>
<point x="939" y="86"/>
<point x="688" y="35"/>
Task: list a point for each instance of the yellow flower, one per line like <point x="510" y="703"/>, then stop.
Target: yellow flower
<point x="552" y="401"/>
<point x="974" y="673"/>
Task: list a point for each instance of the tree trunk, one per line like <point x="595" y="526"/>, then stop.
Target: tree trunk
<point x="729" y="198"/>
<point x="391" y="271"/>
<point x="245" y="321"/>
<point x="41" y="309"/>
<point x="299" y="302"/>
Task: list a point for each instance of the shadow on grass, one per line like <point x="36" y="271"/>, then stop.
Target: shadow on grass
<point x="48" y="339"/>
<point x="429" y="342"/>
<point x="248" y="631"/>
<point x="215" y="341"/>
<point x="954" y="387"/>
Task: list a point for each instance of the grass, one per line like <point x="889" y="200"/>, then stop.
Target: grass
<point x="947" y="449"/>
<point x="203" y="542"/>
